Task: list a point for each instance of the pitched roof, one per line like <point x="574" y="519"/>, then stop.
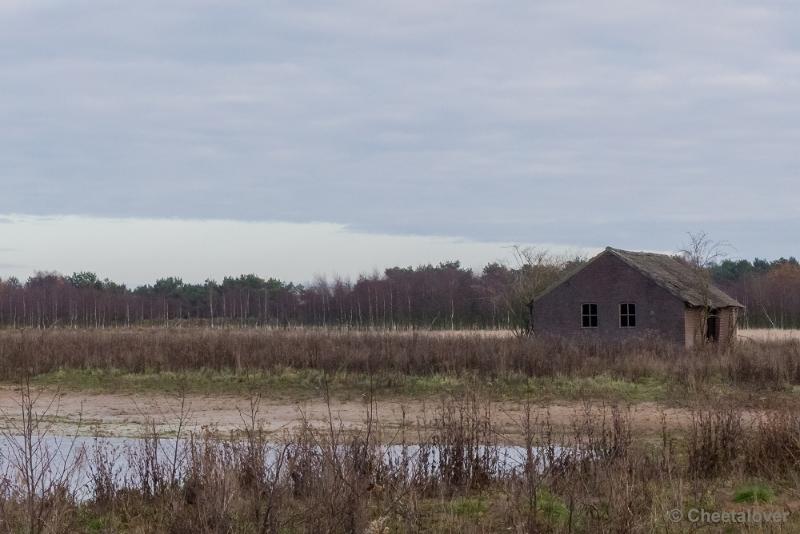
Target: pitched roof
<point x="670" y="273"/>
<point x="677" y="277"/>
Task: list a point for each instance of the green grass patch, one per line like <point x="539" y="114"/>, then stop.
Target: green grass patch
<point x="195" y="381"/>
<point x="469" y="507"/>
<point x="552" y="507"/>
<point x="603" y="386"/>
<point x="754" y="494"/>
<point x="312" y="383"/>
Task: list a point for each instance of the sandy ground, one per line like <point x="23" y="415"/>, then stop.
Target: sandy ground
<point x="132" y="414"/>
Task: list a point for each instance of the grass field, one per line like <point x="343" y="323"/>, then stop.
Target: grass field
<point x="386" y="363"/>
<point x="288" y="431"/>
<point x="594" y="472"/>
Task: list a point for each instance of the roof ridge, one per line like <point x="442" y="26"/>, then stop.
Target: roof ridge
<point x="641" y="252"/>
<point x="665" y="270"/>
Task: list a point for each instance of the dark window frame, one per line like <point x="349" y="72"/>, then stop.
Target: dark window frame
<point x="627" y="315"/>
<point x="589" y="315"/>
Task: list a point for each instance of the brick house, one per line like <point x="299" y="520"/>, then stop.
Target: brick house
<point x="620" y="295"/>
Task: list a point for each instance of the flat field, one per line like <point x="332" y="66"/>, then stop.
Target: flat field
<point x="769" y="334"/>
<point x="127" y="375"/>
<point x="313" y="430"/>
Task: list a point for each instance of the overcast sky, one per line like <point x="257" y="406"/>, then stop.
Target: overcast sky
<point x="486" y="122"/>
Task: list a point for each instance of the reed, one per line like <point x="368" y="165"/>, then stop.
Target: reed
<point x="593" y="477"/>
<point x="763" y="365"/>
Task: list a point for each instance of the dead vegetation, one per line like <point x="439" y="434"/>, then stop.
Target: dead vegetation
<point x="594" y="476"/>
<point x="769" y="365"/>
<point x="591" y="473"/>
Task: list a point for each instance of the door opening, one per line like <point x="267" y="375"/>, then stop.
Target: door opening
<point x="712" y="327"/>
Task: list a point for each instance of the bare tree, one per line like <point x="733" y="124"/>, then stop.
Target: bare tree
<point x="43" y="463"/>
<point x="536" y="269"/>
<point x="702" y="253"/>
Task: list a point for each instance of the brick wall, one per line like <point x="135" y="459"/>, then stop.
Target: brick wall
<point x="727" y="325"/>
<point x="608" y="282"/>
<point x="694" y="323"/>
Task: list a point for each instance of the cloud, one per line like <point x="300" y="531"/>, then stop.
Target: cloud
<point x="137" y="251"/>
<point x="502" y="121"/>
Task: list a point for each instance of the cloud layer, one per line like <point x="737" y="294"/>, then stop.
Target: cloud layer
<point x="627" y="123"/>
<point x="137" y="250"/>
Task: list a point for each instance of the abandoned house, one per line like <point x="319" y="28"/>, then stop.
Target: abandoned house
<point x="619" y="295"/>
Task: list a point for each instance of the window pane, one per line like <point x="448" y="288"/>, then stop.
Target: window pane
<point x="632" y="309"/>
<point x="631" y="320"/>
<point x="623" y="309"/>
<point x="623" y="321"/>
<point x="589" y="315"/>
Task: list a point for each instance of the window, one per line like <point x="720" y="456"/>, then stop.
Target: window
<point x="589" y="315"/>
<point x="627" y="315"/>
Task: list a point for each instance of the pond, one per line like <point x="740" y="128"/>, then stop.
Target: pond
<point x="80" y="463"/>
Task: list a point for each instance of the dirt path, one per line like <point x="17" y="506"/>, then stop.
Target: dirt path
<point x="130" y="414"/>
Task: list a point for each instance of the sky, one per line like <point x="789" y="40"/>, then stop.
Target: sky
<point x="412" y="131"/>
<point x="197" y="250"/>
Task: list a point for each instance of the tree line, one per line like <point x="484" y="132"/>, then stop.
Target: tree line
<point x="443" y="296"/>
<point x="769" y="290"/>
<point x="447" y="295"/>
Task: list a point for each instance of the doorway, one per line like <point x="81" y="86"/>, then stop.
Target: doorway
<point x="712" y="327"/>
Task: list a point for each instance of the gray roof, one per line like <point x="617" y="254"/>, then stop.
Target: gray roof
<point x="677" y="277"/>
<point x="671" y="273"/>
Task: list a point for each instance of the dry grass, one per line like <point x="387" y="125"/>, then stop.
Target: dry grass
<point x="769" y="334"/>
<point x="387" y="358"/>
<point x="595" y="476"/>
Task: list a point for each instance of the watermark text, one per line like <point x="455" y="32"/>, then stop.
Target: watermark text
<point x="699" y="515"/>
